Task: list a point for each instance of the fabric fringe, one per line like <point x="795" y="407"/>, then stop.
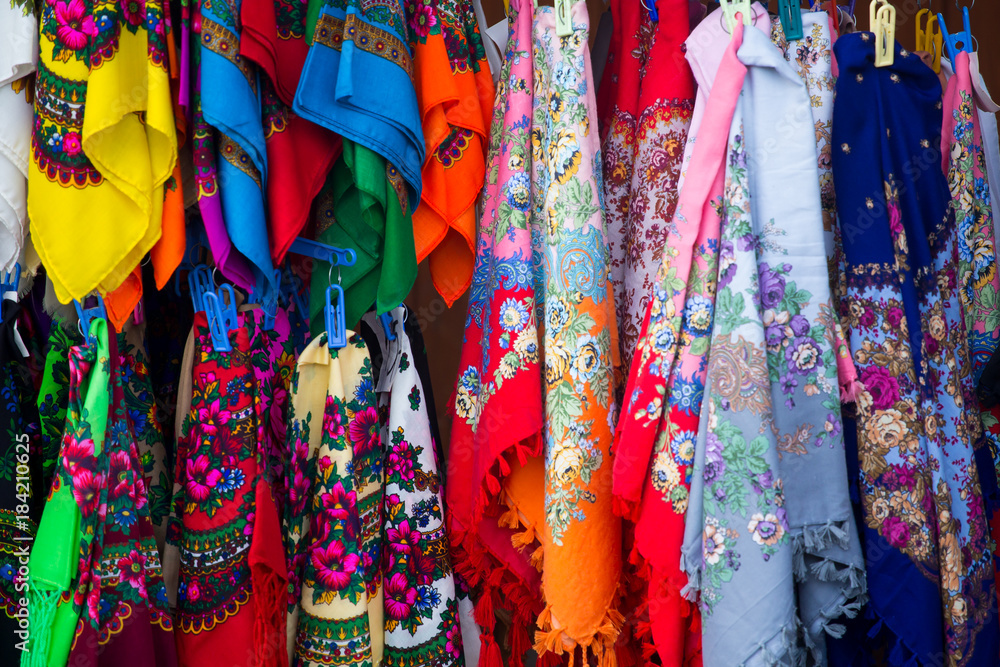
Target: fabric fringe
<point x="849" y="391"/>
<point x="42" y="607"/>
<point x="625" y="508"/>
<point x="268" y="616"/>
<point x="600" y="645"/>
<point x="789" y="652"/>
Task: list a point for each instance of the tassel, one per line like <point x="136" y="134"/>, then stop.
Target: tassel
<point x="509" y="519"/>
<point x="519" y="641"/>
<point x="536" y="558"/>
<point x="42" y="608"/>
<point x="849" y="391"/>
<point x="549" y="659"/>
<point x="484" y="610"/>
<point x="268" y="617"/>
<point x="523" y="539"/>
<point x="503" y="465"/>
<point x="489" y="656"/>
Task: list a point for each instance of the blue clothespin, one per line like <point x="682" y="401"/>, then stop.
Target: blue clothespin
<point x="952" y="42"/>
<point x="200" y="281"/>
<point x="293" y="288"/>
<point x="333" y="315"/>
<point x="791" y="19"/>
<point x="266" y="295"/>
<point x="654" y="14"/>
<point x="190" y="260"/>
<point x="387" y="325"/>
<point x="88" y="315"/>
<point x="849" y="8"/>
<point x="9" y="282"/>
<point x="321" y="251"/>
<point x="221" y="314"/>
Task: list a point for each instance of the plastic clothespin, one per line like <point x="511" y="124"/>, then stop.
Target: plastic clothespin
<point x="88" y="315"/>
<point x="791" y="19"/>
<point x="730" y="8"/>
<point x="321" y="251"/>
<point x="139" y="314"/>
<point x="564" y="21"/>
<point x="267" y="296"/>
<point x="200" y="281"/>
<point x="293" y="286"/>
<point x="333" y="316"/>
<point x="221" y="314"/>
<point x="387" y="325"/>
<point x="650" y="5"/>
<point x="929" y="37"/>
<point x="883" y="24"/>
<point x="960" y="41"/>
<point x="9" y="282"/>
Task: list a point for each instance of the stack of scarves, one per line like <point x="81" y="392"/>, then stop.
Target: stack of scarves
<point x="455" y="93"/>
<point x="103" y="145"/>
<point x="224" y="539"/>
<point x="18" y="55"/>
<point x="928" y="551"/>
<point x="530" y="516"/>
<point x="96" y="590"/>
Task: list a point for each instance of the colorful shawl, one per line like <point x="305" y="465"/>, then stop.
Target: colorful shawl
<point x="455" y="93"/>
<point x="363" y="206"/>
<point x="333" y="517"/>
<point x="18" y="495"/>
<point x="126" y="618"/>
<point x="644" y="138"/>
<point x="231" y="103"/>
<point x="354" y="43"/>
<point x="53" y="398"/>
<point x="421" y="607"/>
<point x="87" y="109"/>
<point x="769" y="505"/>
<point x="18" y="55"/>
<point x="498" y="398"/>
<point x="61" y="589"/>
<point x="929" y="557"/>
<point x="224" y="518"/>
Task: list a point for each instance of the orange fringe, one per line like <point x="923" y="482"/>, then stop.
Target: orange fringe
<point x="600" y="645"/>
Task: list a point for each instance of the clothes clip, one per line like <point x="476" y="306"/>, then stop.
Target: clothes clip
<point x="929" y="37"/>
<point x="387" y="325"/>
<point x="564" y="21"/>
<point x="883" y="24"/>
<point x="88" y="315"/>
<point x="139" y="314"/>
<point x="199" y="281"/>
<point x="333" y="315"/>
<point x="730" y="8"/>
<point x="791" y="19"/>
<point x="960" y="41"/>
<point x="654" y="14"/>
<point x="9" y="282"/>
<point x="266" y="295"/>
<point x="293" y="293"/>
<point x="221" y="314"/>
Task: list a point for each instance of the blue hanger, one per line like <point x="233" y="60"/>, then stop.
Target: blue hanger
<point x="190" y="258"/>
<point x="321" y="251"/>
<point x="791" y="19"/>
<point x="200" y="281"/>
<point x="333" y="315"/>
<point x="221" y="315"/>
<point x="951" y="42"/>
<point x="88" y="315"/>
<point x="266" y="295"/>
<point x="387" y="324"/>
<point x="9" y="282"/>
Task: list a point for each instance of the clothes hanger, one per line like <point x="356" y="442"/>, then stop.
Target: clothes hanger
<point x="732" y="8"/>
<point x="959" y="41"/>
<point x="929" y="37"/>
<point x="883" y="24"/>
<point x="9" y="282"/>
<point x="88" y="315"/>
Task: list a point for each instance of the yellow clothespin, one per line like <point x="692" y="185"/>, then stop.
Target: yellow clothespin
<point x="730" y="8"/>
<point x="929" y="38"/>
<point x="883" y="24"/>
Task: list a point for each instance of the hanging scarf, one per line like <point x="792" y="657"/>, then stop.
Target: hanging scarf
<point x="87" y="112"/>
<point x="18" y="496"/>
<point x="929" y="558"/>
<point x="62" y="590"/>
<point x="421" y="607"/>
<point x="363" y="206"/>
<point x="643" y="147"/>
<point x="333" y="517"/>
<point x="18" y="55"/>
<point x="353" y="44"/>
<point x="53" y="398"/>
<point x="455" y="93"/>
<point x="226" y="527"/>
<point x="769" y="501"/>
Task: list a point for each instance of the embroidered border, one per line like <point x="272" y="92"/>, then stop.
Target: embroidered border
<point x="332" y="31"/>
<point x="217" y="38"/>
<point x="234" y="154"/>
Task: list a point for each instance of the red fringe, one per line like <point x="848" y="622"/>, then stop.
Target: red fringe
<point x="625" y="508"/>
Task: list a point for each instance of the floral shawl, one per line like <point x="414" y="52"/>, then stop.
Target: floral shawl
<point x="223" y="509"/>
<point x="333" y="516"/>
<point x="498" y="398"/>
<point x="92" y="59"/>
<point x="18" y="55"/>
<point x="769" y="502"/>
<point x="421" y="606"/>
<point x="455" y="93"/>
<point x="18" y="493"/>
<point x="929" y="557"/>
<point x="53" y="398"/>
<point x="61" y="589"/>
<point x="643" y="145"/>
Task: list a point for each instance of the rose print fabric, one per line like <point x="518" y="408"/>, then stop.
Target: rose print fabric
<point x="421" y="606"/>
<point x="334" y="514"/>
<point x="929" y="557"/>
<point x="770" y="517"/>
<point x="18" y="55"/>
<point x="642" y="148"/>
